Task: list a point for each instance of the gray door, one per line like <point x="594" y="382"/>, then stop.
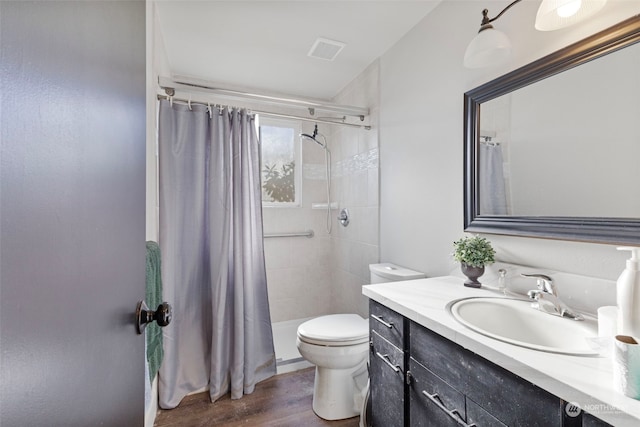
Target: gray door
<point x="72" y="195"/>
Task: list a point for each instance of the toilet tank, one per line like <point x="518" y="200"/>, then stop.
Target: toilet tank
<point x="387" y="272"/>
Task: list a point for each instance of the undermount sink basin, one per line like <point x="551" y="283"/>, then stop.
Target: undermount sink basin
<point x="514" y="321"/>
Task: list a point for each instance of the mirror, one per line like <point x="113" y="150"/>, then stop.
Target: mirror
<point x="553" y="149"/>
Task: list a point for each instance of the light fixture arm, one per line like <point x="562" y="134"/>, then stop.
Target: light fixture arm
<point x="485" y="15"/>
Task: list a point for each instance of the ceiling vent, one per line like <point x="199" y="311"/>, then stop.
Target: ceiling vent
<point x="326" y="49"/>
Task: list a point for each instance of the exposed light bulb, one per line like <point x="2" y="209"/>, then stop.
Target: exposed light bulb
<point x="569" y="9"/>
<point x="556" y="14"/>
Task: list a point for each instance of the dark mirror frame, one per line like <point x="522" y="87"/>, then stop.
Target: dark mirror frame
<point x="602" y="230"/>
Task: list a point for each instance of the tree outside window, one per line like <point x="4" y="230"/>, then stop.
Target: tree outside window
<point x="280" y="162"/>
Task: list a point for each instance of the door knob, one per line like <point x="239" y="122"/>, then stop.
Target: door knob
<point x="143" y="315"/>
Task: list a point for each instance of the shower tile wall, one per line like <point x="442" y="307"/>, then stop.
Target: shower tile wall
<point x="324" y="274"/>
<point x="298" y="268"/>
<point x="355" y="185"/>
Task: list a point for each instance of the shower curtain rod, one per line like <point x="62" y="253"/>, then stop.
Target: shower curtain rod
<point x="170" y="85"/>
<point x="268" y="113"/>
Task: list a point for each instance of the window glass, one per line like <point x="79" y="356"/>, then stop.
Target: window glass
<point x="281" y="165"/>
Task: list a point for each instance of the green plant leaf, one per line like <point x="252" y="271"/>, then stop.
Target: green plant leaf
<point x="475" y="251"/>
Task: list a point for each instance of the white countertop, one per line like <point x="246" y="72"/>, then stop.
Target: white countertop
<point x="587" y="381"/>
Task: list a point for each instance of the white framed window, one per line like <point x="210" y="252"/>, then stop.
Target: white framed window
<point x="281" y="162"/>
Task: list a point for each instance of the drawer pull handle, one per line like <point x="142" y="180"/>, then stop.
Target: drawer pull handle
<point x="452" y="413"/>
<point x="385" y="359"/>
<point x="379" y="319"/>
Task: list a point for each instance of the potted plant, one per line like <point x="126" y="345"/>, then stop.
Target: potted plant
<point x="473" y="253"/>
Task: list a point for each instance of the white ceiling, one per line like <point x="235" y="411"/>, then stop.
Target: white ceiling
<point x="263" y="45"/>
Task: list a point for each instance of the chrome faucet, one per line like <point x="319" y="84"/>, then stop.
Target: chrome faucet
<point x="546" y="298"/>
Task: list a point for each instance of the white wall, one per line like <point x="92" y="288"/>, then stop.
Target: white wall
<point x="422" y="82"/>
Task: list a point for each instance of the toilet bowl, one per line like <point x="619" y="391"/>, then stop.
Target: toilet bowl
<point x="338" y="344"/>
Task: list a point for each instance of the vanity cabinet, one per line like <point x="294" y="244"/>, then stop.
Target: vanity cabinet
<point x="495" y="396"/>
<point x="419" y="378"/>
<point x="387" y="366"/>
<point x="433" y="402"/>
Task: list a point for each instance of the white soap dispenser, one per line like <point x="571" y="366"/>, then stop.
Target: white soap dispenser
<point x="628" y="295"/>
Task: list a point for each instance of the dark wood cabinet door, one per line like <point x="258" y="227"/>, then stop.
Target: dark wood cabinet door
<point x="431" y="400"/>
<point x="387" y="323"/>
<point x="387" y="383"/>
<point x="511" y="399"/>
<point x="481" y="418"/>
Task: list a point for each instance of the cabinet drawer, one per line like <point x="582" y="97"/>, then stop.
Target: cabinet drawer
<point x="438" y="354"/>
<point x="387" y="323"/>
<point x="425" y="412"/>
<point x="509" y="398"/>
<point x="481" y="418"/>
<point x="386" y="374"/>
<point x="430" y="398"/>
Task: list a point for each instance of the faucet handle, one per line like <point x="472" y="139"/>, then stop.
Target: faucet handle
<point x="544" y="282"/>
<point x="538" y="276"/>
<point x="534" y="294"/>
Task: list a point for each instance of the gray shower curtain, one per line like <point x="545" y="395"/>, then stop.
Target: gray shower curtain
<point x="213" y="257"/>
<point x="493" y="197"/>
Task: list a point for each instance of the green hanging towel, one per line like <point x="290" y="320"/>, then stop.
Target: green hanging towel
<point x="153" y="298"/>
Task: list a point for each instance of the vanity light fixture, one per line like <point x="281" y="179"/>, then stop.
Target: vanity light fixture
<point x="492" y="47"/>
<point x="556" y="14"/>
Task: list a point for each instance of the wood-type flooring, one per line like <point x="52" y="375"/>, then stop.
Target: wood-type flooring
<point x="280" y="401"/>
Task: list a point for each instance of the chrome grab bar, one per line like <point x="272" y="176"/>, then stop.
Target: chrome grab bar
<point x="308" y="233"/>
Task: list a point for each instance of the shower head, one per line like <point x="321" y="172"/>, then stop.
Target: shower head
<point x="306" y="135"/>
<point x="313" y="137"/>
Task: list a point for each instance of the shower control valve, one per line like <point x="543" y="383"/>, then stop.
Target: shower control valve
<point x="344" y="217"/>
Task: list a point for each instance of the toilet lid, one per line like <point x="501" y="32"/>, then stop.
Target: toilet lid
<point x="335" y="329"/>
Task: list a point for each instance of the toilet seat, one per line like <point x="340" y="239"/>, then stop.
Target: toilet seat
<point x="335" y="330"/>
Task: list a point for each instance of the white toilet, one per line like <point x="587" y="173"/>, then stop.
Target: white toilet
<point x="338" y="344"/>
